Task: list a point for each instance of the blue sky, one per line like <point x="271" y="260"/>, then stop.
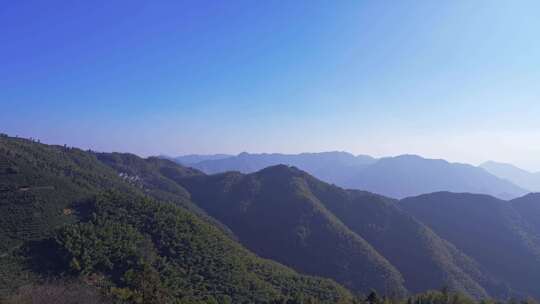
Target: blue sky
<point x="448" y="79"/>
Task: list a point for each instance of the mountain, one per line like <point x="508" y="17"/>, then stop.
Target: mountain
<point x="153" y="176"/>
<point x="383" y="223"/>
<point x="274" y="213"/>
<point x="197" y="158"/>
<point x="332" y="167"/>
<point x="397" y="177"/>
<point x="66" y="215"/>
<point x="518" y="176"/>
<point x="493" y="232"/>
<point x="133" y="227"/>
<point x="304" y="219"/>
<point x="410" y="175"/>
<point x="425" y="260"/>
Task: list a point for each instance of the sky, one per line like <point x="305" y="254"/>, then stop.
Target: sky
<point x="458" y="80"/>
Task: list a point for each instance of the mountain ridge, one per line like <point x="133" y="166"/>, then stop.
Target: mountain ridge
<point x="130" y="242"/>
<point x="398" y="177"/>
<point x="489" y="230"/>
<point x="523" y="178"/>
<point x="281" y="213"/>
<point x="302" y="236"/>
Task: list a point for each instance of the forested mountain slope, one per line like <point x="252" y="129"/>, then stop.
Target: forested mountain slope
<point x="59" y="218"/>
<point x="280" y="203"/>
<point x="528" y="207"/>
<point x="425" y="260"/>
<point x="491" y="231"/>
<point x="274" y="214"/>
<point x="269" y="203"/>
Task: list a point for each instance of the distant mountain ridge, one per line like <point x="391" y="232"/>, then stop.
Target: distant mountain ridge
<point x="397" y="177"/>
<point x="333" y="167"/>
<point x="197" y="158"/>
<point x="411" y="175"/>
<point x="523" y="178"/>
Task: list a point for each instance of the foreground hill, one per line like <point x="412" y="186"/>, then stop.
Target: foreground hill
<point x="493" y="232"/>
<point x="397" y="177"/>
<point x="155" y="177"/>
<point x="59" y="219"/>
<point x="523" y="178"/>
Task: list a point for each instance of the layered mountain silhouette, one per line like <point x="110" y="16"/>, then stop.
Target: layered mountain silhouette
<point x="397" y="177"/>
<point x="410" y="175"/>
<point x="332" y="167"/>
<point x="523" y="178"/>
<point x="272" y="235"/>
<point x="197" y="158"/>
<point x="300" y="216"/>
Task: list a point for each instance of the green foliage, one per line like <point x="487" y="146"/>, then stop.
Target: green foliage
<point x="57" y="293"/>
<point x="440" y="297"/>
<point x="156" y="177"/>
<point x="127" y="244"/>
<point x="154" y="250"/>
<point x="101" y="247"/>
<point x="39" y="183"/>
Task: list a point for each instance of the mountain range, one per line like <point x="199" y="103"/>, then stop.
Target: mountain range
<point x="117" y="223"/>
<point x="397" y="177"/>
<point x="134" y="226"/>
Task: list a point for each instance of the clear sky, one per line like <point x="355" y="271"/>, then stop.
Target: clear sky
<point x="448" y="79"/>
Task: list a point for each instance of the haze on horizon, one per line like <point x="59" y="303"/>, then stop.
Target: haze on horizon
<point x="456" y="80"/>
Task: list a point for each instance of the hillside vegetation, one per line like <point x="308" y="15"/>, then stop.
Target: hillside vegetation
<point x="491" y="231"/>
<point x="274" y="214"/>
<point x="60" y="220"/>
<point x="137" y="230"/>
<point x="304" y="221"/>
